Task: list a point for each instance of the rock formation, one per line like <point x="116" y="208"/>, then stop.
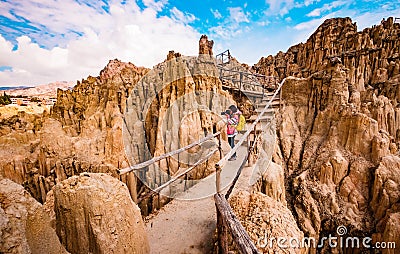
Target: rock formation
<point x="337" y="144"/>
<point x="371" y="56"/>
<point x="24" y="224"/>
<point x="205" y="46"/>
<point x="182" y="104"/>
<point x="338" y="132"/>
<point x="95" y="214"/>
<point x="266" y="220"/>
<point x="84" y="131"/>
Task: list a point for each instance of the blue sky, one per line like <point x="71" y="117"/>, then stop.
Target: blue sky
<point x="42" y="41"/>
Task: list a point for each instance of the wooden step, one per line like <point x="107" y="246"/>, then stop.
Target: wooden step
<point x="268" y="111"/>
<point x="264" y="103"/>
<point x="265" y="117"/>
<point x="268" y="98"/>
<point x="270" y="94"/>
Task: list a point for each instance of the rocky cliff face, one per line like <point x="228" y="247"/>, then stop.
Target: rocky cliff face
<point x="266" y="220"/>
<point x="82" y="133"/>
<point x="182" y="104"/>
<point x="95" y="214"/>
<point x="24" y="224"/>
<point x="153" y="112"/>
<point x="370" y="56"/>
<point x="338" y="133"/>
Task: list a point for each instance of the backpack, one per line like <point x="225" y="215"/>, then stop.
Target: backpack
<point x="242" y="123"/>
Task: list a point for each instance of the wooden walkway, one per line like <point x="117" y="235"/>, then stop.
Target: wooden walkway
<point x="188" y="226"/>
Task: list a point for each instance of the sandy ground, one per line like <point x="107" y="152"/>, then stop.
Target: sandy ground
<point x="11" y="110"/>
<point x="188" y="226"/>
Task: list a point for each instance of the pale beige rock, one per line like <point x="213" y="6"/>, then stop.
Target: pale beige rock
<point x="95" y="214"/>
<point x="386" y="188"/>
<point x="338" y="132"/>
<point x="205" y="46"/>
<point x="265" y="218"/>
<point x="391" y="234"/>
<point x="24" y="224"/>
<point x="272" y="182"/>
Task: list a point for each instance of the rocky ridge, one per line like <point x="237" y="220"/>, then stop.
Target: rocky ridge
<point x="338" y="131"/>
<point x="84" y="132"/>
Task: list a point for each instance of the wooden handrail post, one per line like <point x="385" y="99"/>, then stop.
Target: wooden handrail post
<point x="234" y="228"/>
<point x="248" y="150"/>
<point x="217" y="167"/>
<point x="240" y="80"/>
<point x="263" y="93"/>
<point x="220" y="235"/>
<point x="219" y="146"/>
<point x="218" y="178"/>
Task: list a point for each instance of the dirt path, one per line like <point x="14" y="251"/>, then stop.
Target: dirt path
<point x="188" y="226"/>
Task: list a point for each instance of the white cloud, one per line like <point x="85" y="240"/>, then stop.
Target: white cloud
<point x="373" y="18"/>
<point x="156" y="5"/>
<point x="237" y="15"/>
<point x="326" y="7"/>
<point x="312" y="24"/>
<point x="280" y="7"/>
<point x="185" y="18"/>
<point x="310" y="2"/>
<point x="264" y="23"/>
<point x="88" y="37"/>
<point x="216" y="14"/>
<point x="231" y="26"/>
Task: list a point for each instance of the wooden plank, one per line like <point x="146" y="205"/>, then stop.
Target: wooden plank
<point x="166" y="155"/>
<point x="246" y="92"/>
<point x="253" y="74"/>
<point x="239" y="235"/>
<point x="218" y="179"/>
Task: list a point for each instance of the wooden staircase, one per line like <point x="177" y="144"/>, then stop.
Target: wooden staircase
<point x="258" y="88"/>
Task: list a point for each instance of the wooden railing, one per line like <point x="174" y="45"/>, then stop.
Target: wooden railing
<point x="244" y="79"/>
<point x="145" y="164"/>
<point x="227" y="222"/>
<point x="241" y="79"/>
<point x="223" y="58"/>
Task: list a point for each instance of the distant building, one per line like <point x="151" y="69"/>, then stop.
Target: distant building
<point x="14" y="100"/>
<point x="51" y="101"/>
<point x="26" y="101"/>
<point x="35" y="101"/>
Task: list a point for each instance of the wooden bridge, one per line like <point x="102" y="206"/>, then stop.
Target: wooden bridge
<point x="236" y="77"/>
<point x="186" y="226"/>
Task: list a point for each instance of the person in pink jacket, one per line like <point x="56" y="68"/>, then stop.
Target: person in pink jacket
<point x="232" y="119"/>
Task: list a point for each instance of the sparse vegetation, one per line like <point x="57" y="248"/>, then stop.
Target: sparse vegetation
<point x="35" y="99"/>
<point x="5" y="99"/>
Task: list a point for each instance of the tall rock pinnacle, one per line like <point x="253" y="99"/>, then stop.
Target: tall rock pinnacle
<point x="205" y="46"/>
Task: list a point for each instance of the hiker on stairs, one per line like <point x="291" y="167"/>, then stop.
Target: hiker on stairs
<point x="233" y="121"/>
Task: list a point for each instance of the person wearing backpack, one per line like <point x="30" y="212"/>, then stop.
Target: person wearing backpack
<point x="232" y="127"/>
<point x="231" y="122"/>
